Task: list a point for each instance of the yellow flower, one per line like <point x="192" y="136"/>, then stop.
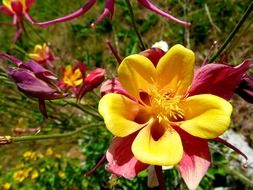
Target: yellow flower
<point x="34" y="174"/>
<point x="40" y="53"/>
<point x="62" y="175"/>
<point x="7" y="186"/>
<point x="49" y="151"/>
<point x="21" y="175"/>
<point x="30" y="155"/>
<point x="161" y="106"/>
<point x="72" y="76"/>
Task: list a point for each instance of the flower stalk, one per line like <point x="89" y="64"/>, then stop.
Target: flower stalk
<point x="129" y="6"/>
<point x="10" y="139"/>
<point x="159" y="174"/>
<point x="233" y="33"/>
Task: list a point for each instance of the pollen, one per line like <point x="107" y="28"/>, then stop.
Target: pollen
<point x="165" y="106"/>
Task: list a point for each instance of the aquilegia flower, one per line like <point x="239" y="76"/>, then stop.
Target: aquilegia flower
<point x="17" y="9"/>
<point x="163" y="121"/>
<point x="77" y="79"/>
<point x="72" y="77"/>
<point x="42" y="54"/>
<point x="108" y="11"/>
<point x="34" y="80"/>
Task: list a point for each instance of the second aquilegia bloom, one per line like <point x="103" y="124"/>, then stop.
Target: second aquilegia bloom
<point x="161" y="122"/>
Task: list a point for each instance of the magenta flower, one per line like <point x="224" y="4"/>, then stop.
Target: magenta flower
<point x="34" y="80"/>
<point x="212" y="79"/>
<point x="108" y="11"/>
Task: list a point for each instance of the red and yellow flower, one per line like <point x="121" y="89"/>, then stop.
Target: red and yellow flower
<point x="72" y="77"/>
<point x="162" y="124"/>
<point x="42" y="54"/>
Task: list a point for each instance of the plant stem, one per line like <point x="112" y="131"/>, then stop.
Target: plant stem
<point x="51" y="136"/>
<point x="233" y="33"/>
<point x="129" y="6"/>
<point x="159" y="174"/>
<point x="90" y="112"/>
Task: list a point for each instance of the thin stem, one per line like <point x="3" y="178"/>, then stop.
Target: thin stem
<point x="233" y="33"/>
<point x="159" y="174"/>
<point x="129" y="6"/>
<point x="51" y="136"/>
<point x="95" y="114"/>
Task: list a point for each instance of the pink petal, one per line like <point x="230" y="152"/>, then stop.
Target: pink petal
<point x="10" y="58"/>
<point x="150" y="6"/>
<point x="196" y="160"/>
<point x="218" y="79"/>
<point x="109" y="9"/>
<point x="121" y="159"/>
<point x="5" y="10"/>
<point x="113" y="86"/>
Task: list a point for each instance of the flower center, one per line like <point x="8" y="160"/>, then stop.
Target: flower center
<point x="165" y="106"/>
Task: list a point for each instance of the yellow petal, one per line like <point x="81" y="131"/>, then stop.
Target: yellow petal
<point x="38" y="48"/>
<point x="175" y="69"/>
<point x="167" y="150"/>
<point x="206" y="116"/>
<point x="7" y="3"/>
<point x="136" y="73"/>
<point x="122" y="116"/>
<point x="68" y="71"/>
<point x="34" y="56"/>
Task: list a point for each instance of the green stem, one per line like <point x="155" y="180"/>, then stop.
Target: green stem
<point x="240" y="176"/>
<point x="51" y="136"/>
<point x="233" y="33"/>
<point x="129" y="6"/>
<point x="90" y="112"/>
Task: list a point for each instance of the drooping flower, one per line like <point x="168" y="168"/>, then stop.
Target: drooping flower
<point x="108" y="11"/>
<point x="42" y="54"/>
<point x="17" y="9"/>
<point x="34" y="80"/>
<point x="165" y="125"/>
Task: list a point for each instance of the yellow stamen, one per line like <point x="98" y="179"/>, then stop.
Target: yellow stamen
<point x="164" y="106"/>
